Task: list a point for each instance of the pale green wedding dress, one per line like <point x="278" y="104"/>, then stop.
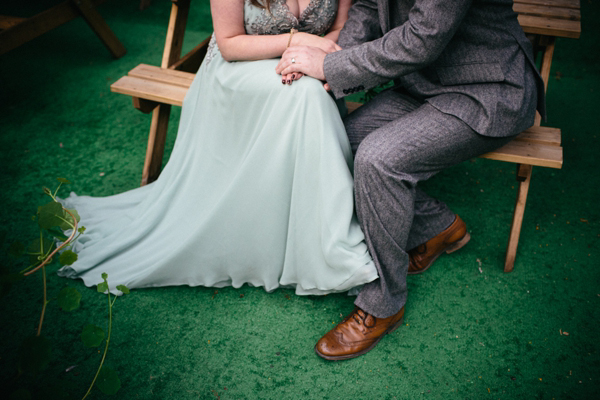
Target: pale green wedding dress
<point x="258" y="188"/>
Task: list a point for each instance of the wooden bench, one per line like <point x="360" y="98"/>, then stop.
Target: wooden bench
<point x="156" y="89"/>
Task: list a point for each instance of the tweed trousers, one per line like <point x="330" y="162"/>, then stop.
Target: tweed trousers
<point x="398" y="142"/>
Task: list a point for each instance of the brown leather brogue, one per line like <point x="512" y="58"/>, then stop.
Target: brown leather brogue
<point x="451" y="239"/>
<point x="356" y="335"/>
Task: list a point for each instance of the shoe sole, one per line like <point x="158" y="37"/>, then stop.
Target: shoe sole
<point x="450" y="249"/>
<point x="360" y="353"/>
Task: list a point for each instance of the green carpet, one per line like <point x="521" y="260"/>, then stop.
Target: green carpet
<point x="470" y="330"/>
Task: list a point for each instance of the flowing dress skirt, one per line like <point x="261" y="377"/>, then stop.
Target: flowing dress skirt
<point x="258" y="190"/>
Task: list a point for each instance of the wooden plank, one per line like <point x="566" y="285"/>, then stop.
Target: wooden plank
<point x="542" y="135"/>
<point x="153" y="73"/>
<point x="150" y="90"/>
<point x="550" y="27"/>
<point x="548" y="12"/>
<point x="6" y="21"/>
<point x="39" y="24"/>
<point x="521" y="152"/>
<point x="352" y="106"/>
<point x="552" y="3"/>
<point x="175" y="32"/>
<point x="100" y="27"/>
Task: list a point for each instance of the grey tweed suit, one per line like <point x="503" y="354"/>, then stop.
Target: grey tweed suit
<point x="465" y="84"/>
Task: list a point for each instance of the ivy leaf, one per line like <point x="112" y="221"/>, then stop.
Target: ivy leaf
<point x="104" y="276"/>
<point x="68" y="225"/>
<point x="16" y="249"/>
<point x="81" y="229"/>
<point x="63" y="180"/>
<point x="102" y="287"/>
<point x="67" y="257"/>
<point x="108" y="381"/>
<point x="123" y="289"/>
<point x="50" y="215"/>
<point x="47" y="191"/>
<point x="69" y="299"/>
<point x="92" y="335"/>
<point x="58" y="233"/>
<point x="34" y="354"/>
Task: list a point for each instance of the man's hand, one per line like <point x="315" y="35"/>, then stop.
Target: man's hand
<point x="306" y="59"/>
<point x="307" y="39"/>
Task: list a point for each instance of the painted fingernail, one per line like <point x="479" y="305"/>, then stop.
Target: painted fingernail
<point x="283" y="81"/>
<point x="293" y="76"/>
<point x="289" y="81"/>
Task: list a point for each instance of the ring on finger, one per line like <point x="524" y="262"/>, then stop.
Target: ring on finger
<point x="293" y="60"/>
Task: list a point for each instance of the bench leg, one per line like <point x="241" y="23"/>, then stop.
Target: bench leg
<point x="156" y="143"/>
<point x="524" y="178"/>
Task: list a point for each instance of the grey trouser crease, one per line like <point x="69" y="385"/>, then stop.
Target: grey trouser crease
<point x="399" y="142"/>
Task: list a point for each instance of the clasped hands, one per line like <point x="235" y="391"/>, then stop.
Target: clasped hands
<point x="305" y="56"/>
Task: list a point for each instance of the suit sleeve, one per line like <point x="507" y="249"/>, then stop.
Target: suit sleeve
<point x="362" y="24"/>
<point x="418" y="42"/>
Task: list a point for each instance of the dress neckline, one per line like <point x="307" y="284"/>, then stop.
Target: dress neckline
<point x="303" y="13"/>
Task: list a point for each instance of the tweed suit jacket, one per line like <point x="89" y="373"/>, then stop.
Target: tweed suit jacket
<point x="467" y="58"/>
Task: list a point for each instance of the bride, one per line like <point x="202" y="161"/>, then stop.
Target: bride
<point x="258" y="188"/>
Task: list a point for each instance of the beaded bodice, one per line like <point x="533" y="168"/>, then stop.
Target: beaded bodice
<point x="317" y="18"/>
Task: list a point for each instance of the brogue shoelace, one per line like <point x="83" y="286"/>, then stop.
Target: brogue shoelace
<point x="361" y="318"/>
<point x="422" y="248"/>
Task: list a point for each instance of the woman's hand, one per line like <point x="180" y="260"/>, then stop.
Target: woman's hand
<point x="287" y="79"/>
<point x="307" y="39"/>
<point x="304" y="59"/>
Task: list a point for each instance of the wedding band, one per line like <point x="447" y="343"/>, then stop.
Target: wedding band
<point x="293" y="60"/>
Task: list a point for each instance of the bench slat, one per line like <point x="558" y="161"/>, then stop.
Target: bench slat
<point x="552" y="3"/>
<point x="542" y="11"/>
<point x="550" y="27"/>
<point x="522" y="152"/>
<point x="151" y="90"/>
<point x="542" y="135"/>
<point x="170" y="76"/>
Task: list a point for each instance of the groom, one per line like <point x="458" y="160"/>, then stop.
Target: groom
<point x="464" y="84"/>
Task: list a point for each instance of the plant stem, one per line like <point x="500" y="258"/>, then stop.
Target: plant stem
<point x="39" y="330"/>
<point x="105" y="347"/>
<point x="66" y="242"/>
<point x="55" y="192"/>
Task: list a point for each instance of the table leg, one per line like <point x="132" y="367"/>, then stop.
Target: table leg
<point x="99" y="26"/>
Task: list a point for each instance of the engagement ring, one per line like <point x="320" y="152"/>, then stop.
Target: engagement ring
<point x="293" y="60"/>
